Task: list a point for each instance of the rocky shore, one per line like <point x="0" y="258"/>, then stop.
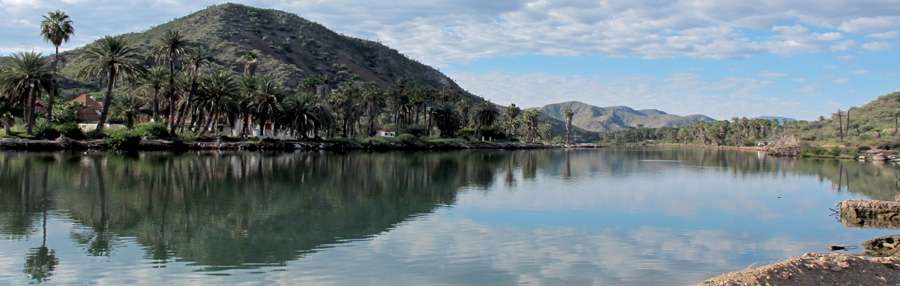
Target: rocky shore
<point x="818" y="269"/>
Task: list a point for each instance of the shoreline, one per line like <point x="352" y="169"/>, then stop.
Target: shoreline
<point x="66" y="144"/>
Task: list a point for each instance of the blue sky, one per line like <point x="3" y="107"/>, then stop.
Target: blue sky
<point x="721" y="58"/>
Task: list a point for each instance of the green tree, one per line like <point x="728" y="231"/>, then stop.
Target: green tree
<point x="446" y="119"/>
<point x="265" y="105"/>
<point x="128" y="107"/>
<point x="155" y="78"/>
<point x="464" y="106"/>
<point x="111" y="58"/>
<point x="568" y="114"/>
<point x="250" y="61"/>
<point x="56" y="29"/>
<point x="484" y="115"/>
<point x="218" y="92"/>
<point x="512" y="111"/>
<point x="23" y="77"/>
<point x="532" y="120"/>
<point x="373" y="98"/>
<point x="173" y="44"/>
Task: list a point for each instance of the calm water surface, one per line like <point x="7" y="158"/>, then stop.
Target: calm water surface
<point x="548" y="217"/>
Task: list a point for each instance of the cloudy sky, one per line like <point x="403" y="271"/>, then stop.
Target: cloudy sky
<point x="722" y="58"/>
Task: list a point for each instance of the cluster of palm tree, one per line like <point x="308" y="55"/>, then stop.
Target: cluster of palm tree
<point x="180" y="91"/>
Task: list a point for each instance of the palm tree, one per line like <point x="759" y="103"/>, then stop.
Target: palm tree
<point x="250" y="60"/>
<point x="111" y="58"/>
<point x="25" y="76"/>
<point x="512" y="111"/>
<point x="532" y="120"/>
<point x="568" y="114"/>
<point x="839" y="115"/>
<point x="308" y="85"/>
<point x="373" y="98"/>
<point x="128" y="107"/>
<point x="197" y="58"/>
<point x="265" y="104"/>
<point x="463" y="107"/>
<point x="56" y="28"/>
<point x="446" y="119"/>
<point x="219" y="91"/>
<point x="484" y="115"/>
<point x="155" y="78"/>
<point x="299" y="113"/>
<point x="173" y="45"/>
<point x="448" y="94"/>
<point x="248" y="85"/>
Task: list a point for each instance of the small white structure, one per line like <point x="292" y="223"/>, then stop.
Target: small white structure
<point x="385" y="133"/>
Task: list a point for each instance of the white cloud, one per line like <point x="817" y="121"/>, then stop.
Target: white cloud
<point x="859" y="72"/>
<point x="870" y="25"/>
<point x="885" y="35"/>
<point x="877" y="46"/>
<point x="449" y="31"/>
<point x="842" y="80"/>
<point x="771" y="75"/>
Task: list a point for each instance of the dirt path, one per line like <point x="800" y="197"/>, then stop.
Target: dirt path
<point x="818" y="269"/>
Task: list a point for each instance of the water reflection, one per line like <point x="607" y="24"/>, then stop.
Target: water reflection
<point x="567" y="216"/>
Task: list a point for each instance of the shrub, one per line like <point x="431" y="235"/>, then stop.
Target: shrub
<point x="71" y="130"/>
<point x="834" y="151"/>
<point x="45" y="129"/>
<point x="407" y="138"/>
<point x="415" y="130"/>
<point x="123" y="139"/>
<point x="154" y="129"/>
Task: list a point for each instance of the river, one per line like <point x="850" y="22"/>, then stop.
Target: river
<point x="531" y="217"/>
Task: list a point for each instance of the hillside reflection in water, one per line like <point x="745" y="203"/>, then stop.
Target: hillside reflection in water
<point x="622" y="216"/>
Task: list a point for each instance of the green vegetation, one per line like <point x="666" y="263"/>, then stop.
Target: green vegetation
<point x="229" y="67"/>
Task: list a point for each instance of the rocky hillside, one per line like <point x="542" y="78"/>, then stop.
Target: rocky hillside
<point x="601" y="119"/>
<point x="290" y="48"/>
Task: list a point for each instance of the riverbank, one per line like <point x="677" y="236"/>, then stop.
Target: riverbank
<point x="817" y="269"/>
<point x="281" y="145"/>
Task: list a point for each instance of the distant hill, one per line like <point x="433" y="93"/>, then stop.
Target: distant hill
<point x="290" y="48"/>
<point x="780" y="119"/>
<point x="601" y="119"/>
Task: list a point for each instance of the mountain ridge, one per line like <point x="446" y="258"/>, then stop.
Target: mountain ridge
<point x="600" y="119"/>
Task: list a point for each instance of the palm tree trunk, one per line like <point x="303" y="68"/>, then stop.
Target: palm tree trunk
<point x="156" y="103"/>
<point x="107" y="101"/>
<point x="55" y="86"/>
<point x="29" y="110"/>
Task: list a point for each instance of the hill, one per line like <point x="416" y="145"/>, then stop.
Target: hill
<point x="290" y="48"/>
<point x="599" y="119"/>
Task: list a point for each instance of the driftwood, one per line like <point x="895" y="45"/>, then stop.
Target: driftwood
<point x="883" y="246"/>
<point x="859" y="213"/>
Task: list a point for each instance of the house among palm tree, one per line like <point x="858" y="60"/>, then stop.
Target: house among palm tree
<point x="386" y="133"/>
<point x="91" y="110"/>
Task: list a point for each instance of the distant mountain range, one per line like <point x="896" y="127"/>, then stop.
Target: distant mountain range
<point x="599" y="119"/>
<point x="780" y="119"/>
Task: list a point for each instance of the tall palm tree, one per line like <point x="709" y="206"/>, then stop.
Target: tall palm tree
<point x="266" y="103"/>
<point x="128" y="107"/>
<point x="219" y="91"/>
<point x="373" y="98"/>
<point x="250" y="60"/>
<point x="299" y="113"/>
<point x="111" y="58"/>
<point x="568" y="114"/>
<point x="512" y="111"/>
<point x="197" y="58"/>
<point x="839" y="115"/>
<point x="56" y="28"/>
<point x="446" y="119"/>
<point x="173" y="44"/>
<point x="155" y="78"/>
<point x="532" y="120"/>
<point x="464" y="106"/>
<point x="484" y="115"/>
<point x="248" y="85"/>
<point x="24" y="77"/>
